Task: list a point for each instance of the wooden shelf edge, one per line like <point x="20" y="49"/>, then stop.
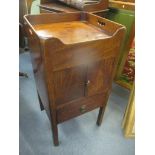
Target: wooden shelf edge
<point x="122" y="5"/>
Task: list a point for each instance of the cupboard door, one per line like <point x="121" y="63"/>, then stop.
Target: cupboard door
<point x="69" y="84"/>
<point x="99" y="76"/>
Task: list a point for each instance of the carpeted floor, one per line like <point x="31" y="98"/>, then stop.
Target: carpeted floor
<point x="78" y="136"/>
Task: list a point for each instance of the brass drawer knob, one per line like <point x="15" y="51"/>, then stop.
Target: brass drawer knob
<point x="83" y="108"/>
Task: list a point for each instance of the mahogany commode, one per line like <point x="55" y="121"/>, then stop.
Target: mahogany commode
<point x="74" y="56"/>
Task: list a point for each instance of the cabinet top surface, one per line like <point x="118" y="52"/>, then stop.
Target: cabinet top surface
<point x="70" y="32"/>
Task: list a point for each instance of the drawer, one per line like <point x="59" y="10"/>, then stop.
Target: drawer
<point x="78" y="107"/>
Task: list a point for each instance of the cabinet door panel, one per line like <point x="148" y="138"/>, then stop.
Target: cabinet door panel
<point x="99" y="76"/>
<point x="69" y="84"/>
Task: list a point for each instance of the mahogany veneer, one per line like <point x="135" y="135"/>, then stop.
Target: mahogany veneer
<point x="74" y="56"/>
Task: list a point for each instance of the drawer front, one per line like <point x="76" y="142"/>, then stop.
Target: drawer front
<point x="78" y="107"/>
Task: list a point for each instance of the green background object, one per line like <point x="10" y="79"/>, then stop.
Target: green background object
<point x="34" y="7"/>
<point x="126" y="18"/>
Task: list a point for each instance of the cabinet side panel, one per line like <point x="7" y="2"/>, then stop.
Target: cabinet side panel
<point x="38" y="67"/>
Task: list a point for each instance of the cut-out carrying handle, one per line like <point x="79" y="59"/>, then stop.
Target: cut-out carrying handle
<point x="101" y="23"/>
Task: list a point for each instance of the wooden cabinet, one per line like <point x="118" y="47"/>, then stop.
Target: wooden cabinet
<point x="74" y="56"/>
